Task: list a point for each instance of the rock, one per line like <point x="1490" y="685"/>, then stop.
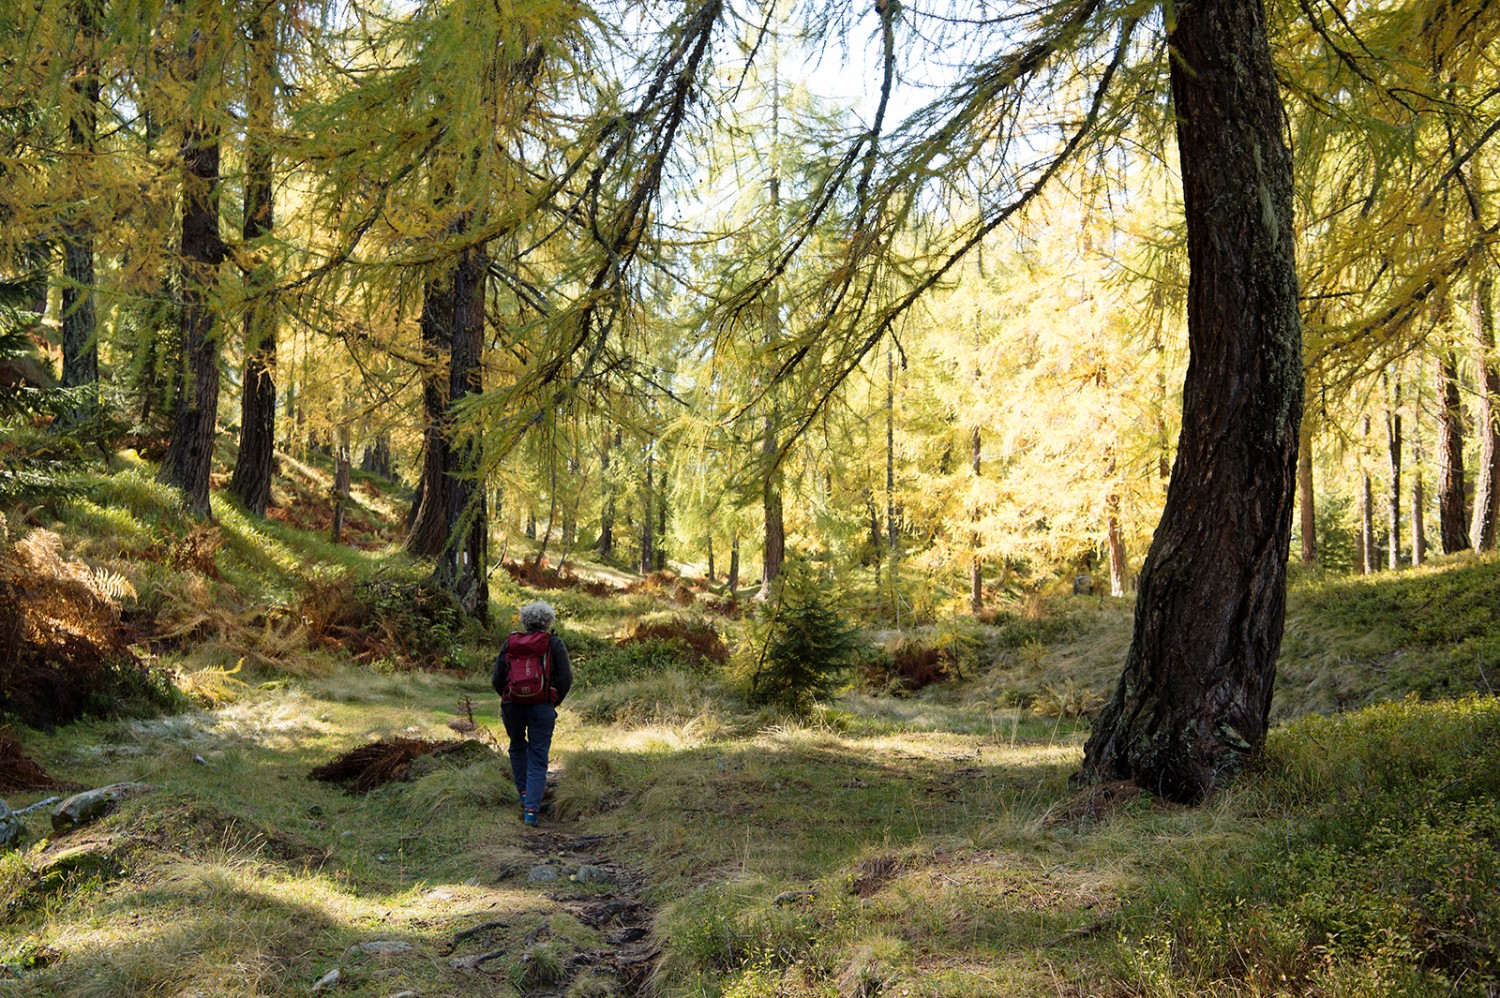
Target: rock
<point x="313" y="810"/>
<point x="379" y="947"/>
<point x="542" y="874"/>
<point x="91" y="805"/>
<point x="328" y="980"/>
<point x="11" y="829"/>
<point x="593" y="875"/>
<point x="405" y="994"/>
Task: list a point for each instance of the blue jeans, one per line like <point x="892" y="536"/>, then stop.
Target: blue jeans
<point x="529" y="726"/>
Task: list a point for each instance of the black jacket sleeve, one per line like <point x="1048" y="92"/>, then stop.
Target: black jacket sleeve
<point x="501" y="672"/>
<point x="562" y="669"/>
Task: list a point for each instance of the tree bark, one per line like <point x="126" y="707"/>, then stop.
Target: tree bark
<point x="80" y="345"/>
<point x="1117" y="563"/>
<point x="253" y="467"/>
<point x="732" y="584"/>
<point x="1418" y="496"/>
<point x="1453" y="525"/>
<point x="1393" y="499"/>
<point x="1482" y="326"/>
<point x="1195" y="695"/>
<point x="648" y="522"/>
<point x="976" y="566"/>
<point x="340" y="486"/>
<point x="190" y="451"/>
<point x="430" y="514"/>
<point x="606" y="545"/>
<point x="462" y="567"/>
<point x="1309" y="524"/>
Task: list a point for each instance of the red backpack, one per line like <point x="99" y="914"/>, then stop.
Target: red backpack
<point x="530" y="667"/>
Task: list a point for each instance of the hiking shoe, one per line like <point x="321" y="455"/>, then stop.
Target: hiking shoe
<point x="530" y="816"/>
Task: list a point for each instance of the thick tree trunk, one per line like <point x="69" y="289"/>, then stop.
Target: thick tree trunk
<point x="80" y="346"/>
<point x="1482" y="326"/>
<point x="191" y="448"/>
<point x="1453" y="525"/>
<point x="429" y="520"/>
<point x="1309" y="524"/>
<point x="1195" y="695"/>
<point x="462" y="567"/>
<point x="253" y="467"/>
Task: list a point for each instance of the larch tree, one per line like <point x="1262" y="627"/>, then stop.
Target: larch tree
<point x="1194" y="700"/>
<point x="202" y="39"/>
<point x="251" y="481"/>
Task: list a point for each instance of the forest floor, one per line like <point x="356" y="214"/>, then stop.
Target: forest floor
<point x="884" y="846"/>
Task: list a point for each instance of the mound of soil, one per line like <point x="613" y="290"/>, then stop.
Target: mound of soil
<point x="378" y="763"/>
<point x="18" y="771"/>
<point x="702" y="640"/>
<point x="543" y="577"/>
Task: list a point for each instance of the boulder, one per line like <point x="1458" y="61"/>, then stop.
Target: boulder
<point x="542" y="874"/>
<point x="379" y="947"/>
<point x="91" y="805"/>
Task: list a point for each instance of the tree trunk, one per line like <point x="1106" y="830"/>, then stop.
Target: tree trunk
<point x="1195" y="695"/>
<point x="429" y="517"/>
<point x="1418" y="496"/>
<point x="251" y="482"/>
<point x="710" y="557"/>
<point x="340" y="486"/>
<point x="1393" y="498"/>
<point x="1117" y="564"/>
<point x="191" y="448"/>
<point x="1368" y="561"/>
<point x="462" y="567"/>
<point x="661" y="524"/>
<point x="1482" y="325"/>
<point x="732" y="584"/>
<point x="976" y="566"/>
<point x="1305" y="497"/>
<point x="606" y="545"/>
<point x="1453" y="525"/>
<point x="80" y="326"/>
<point x="647" y="520"/>
<point x="80" y="345"/>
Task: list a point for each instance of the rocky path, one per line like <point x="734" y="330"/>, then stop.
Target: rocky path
<point x="581" y="877"/>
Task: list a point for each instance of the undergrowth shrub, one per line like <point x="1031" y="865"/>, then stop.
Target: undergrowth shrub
<point x="1384" y="880"/>
<point x="63" y="651"/>
<point x="410" y="624"/>
<point x="798" y="645"/>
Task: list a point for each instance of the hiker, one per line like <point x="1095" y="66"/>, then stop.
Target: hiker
<point x="532" y="676"/>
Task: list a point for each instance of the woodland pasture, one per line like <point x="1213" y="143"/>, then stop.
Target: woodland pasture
<point x="882" y="842"/>
<point x="1019" y="483"/>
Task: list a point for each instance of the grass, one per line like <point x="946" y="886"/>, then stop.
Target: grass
<point x="926" y="844"/>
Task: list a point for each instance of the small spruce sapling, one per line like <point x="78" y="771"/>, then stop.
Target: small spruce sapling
<point x="799" y="645"/>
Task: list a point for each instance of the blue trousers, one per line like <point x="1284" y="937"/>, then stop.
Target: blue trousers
<point x="529" y="726"/>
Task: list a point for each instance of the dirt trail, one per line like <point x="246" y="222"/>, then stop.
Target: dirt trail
<point x="609" y="903"/>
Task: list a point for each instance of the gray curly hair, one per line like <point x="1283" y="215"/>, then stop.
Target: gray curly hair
<point x="537" y="616"/>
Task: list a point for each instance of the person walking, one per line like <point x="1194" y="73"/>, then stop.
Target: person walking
<point x="532" y="675"/>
